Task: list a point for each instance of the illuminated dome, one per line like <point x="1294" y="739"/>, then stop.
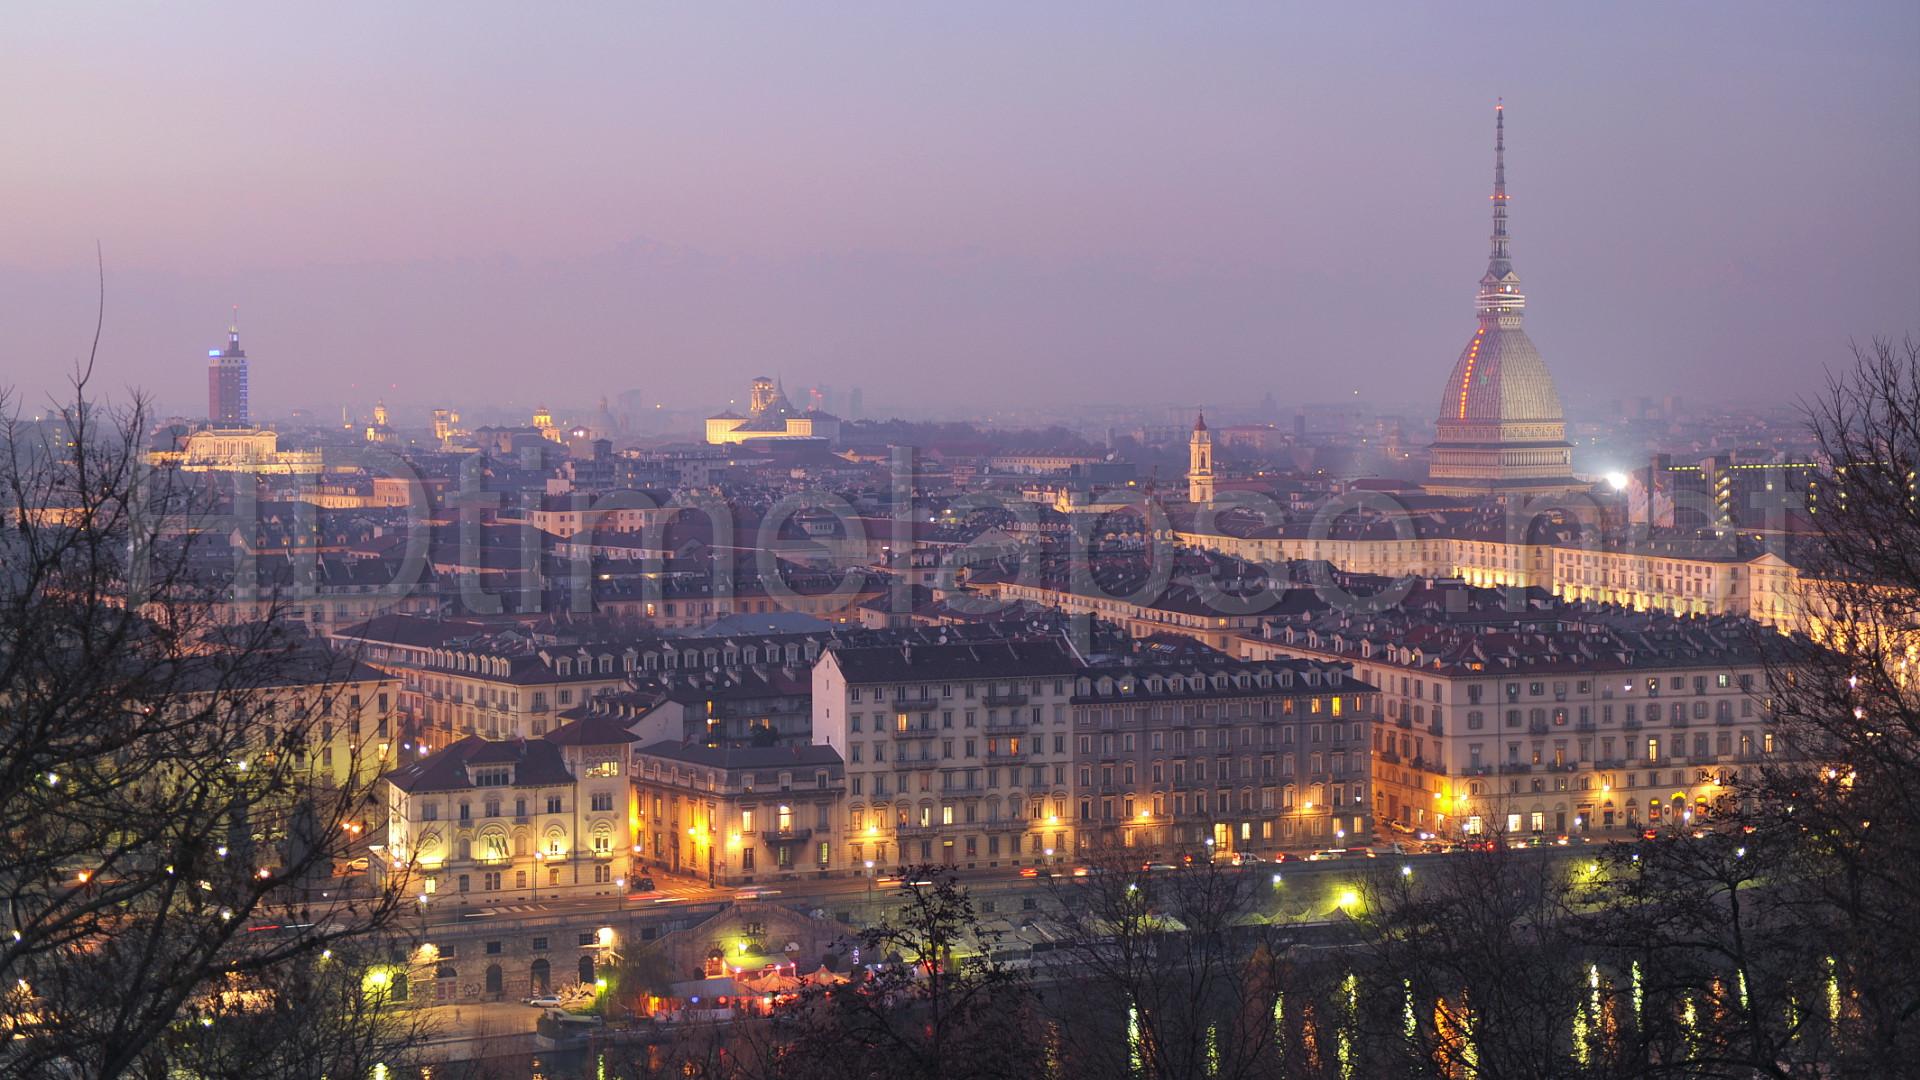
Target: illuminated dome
<point x="1500" y="378"/>
<point x="1500" y="431"/>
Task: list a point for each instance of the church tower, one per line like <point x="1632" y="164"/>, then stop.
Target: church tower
<point x="1500" y="432"/>
<point x="1200" y="464"/>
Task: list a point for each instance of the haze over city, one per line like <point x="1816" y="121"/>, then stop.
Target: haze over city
<point x="935" y="202"/>
<point x="898" y="541"/>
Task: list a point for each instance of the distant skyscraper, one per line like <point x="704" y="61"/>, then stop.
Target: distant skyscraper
<point x="1501" y="430"/>
<point x="227" y="381"/>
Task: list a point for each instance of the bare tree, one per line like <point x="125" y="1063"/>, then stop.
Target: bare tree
<point x="1774" y="938"/>
<point x="1845" y="700"/>
<point x="1180" y="973"/>
<point x="940" y="1006"/>
<point x="1472" y="969"/>
<point x="160" y="795"/>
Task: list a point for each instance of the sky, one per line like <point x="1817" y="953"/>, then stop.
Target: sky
<point x="957" y="207"/>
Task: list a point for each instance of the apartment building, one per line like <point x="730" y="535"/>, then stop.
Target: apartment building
<point x="1221" y="756"/>
<point x="954" y="754"/>
<point x="499" y="820"/>
<point x="737" y="815"/>
<point x="1553" y="719"/>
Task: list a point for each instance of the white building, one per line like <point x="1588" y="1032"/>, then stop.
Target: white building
<point x="488" y="821"/>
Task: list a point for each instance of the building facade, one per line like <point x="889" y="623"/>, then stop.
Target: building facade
<point x="955" y="754"/>
<point x="1559" y="720"/>
<point x="1221" y="757"/>
<point x="739" y="815"/>
<point x="487" y="821"/>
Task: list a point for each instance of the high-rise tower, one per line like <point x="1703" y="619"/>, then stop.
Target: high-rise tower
<point x="1500" y="431"/>
<point x="227" y="381"/>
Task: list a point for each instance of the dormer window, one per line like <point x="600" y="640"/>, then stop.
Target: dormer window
<point x="492" y="775"/>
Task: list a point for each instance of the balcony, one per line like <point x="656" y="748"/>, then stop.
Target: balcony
<point x="1631" y="725"/>
<point x="917" y="763"/>
<point x="1003" y="825"/>
<point x="1477" y="770"/>
<point x="906" y="832"/>
<point x="1515" y="767"/>
<point x="1007" y="726"/>
<point x="1006" y="697"/>
<point x="1006" y="756"/>
<point x="1390" y="757"/>
<point x="1723" y="721"/>
<point x="1564" y="766"/>
<point x="1536" y="727"/>
<point x="1610" y="763"/>
<point x="786" y="836"/>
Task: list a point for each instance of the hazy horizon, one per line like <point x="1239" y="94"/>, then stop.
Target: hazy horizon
<point x="1083" y="203"/>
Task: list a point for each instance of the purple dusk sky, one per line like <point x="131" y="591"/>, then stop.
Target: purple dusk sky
<point x="951" y="206"/>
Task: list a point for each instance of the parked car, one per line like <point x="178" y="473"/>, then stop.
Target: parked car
<point x="643" y="883"/>
<point x="1327" y="855"/>
<point x="544" y="1001"/>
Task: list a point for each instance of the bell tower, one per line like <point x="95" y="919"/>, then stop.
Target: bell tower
<point x="1200" y="463"/>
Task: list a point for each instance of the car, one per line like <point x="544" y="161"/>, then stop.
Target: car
<point x="1286" y="856"/>
<point x="1327" y="855"/>
<point x="1245" y="858"/>
<point x="544" y="1001"/>
<point x="643" y="883"/>
<point x="1359" y="853"/>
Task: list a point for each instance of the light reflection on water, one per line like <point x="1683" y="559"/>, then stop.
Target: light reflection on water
<point x="1594" y="1031"/>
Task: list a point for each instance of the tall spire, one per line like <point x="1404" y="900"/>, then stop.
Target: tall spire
<point x="233" y="328"/>
<point x="1500" y="286"/>
<point x="1499" y="264"/>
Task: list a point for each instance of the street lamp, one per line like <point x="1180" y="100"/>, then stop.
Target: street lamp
<point x="538" y="858"/>
<point x="869" y="888"/>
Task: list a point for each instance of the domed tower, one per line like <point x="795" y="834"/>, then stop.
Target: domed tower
<point x="1500" y="431"/>
<point x="1200" y="463"/>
